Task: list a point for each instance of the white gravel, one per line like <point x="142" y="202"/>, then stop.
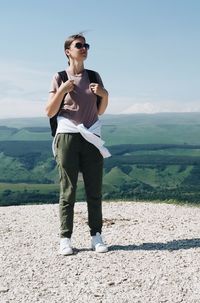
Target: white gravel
<point x="154" y="255"/>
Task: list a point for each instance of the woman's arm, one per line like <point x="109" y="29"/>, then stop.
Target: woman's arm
<point x="53" y="103"/>
<point x="99" y="90"/>
<point x="55" y="98"/>
<point x="104" y="102"/>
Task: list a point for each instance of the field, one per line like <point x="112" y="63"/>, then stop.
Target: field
<point x="154" y="157"/>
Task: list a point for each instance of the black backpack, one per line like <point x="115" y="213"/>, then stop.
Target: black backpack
<point x="63" y="76"/>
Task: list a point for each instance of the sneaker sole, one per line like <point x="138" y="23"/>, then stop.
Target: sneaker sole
<point x="66" y="254"/>
<point x="99" y="251"/>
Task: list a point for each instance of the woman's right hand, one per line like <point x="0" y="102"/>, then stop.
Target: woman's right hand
<point x="67" y="87"/>
<point x="55" y="99"/>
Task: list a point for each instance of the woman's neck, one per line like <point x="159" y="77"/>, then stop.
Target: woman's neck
<point x="76" y="67"/>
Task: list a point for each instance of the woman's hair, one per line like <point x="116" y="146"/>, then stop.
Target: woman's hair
<point x="69" y="41"/>
<point x="71" y="38"/>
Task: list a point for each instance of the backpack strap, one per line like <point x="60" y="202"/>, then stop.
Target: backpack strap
<point x="93" y="79"/>
<point x="53" y="121"/>
<point x="92" y="76"/>
<point x="63" y="76"/>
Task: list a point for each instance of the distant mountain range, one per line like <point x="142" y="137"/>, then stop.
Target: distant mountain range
<point x="154" y="157"/>
<point x="163" y="128"/>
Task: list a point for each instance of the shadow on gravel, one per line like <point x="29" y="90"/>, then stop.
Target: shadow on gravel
<point x="171" y="245"/>
<point x="78" y="250"/>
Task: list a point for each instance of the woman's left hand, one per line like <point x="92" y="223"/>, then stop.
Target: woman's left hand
<point x="97" y="89"/>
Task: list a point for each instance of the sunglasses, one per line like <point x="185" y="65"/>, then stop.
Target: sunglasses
<point x="80" y="45"/>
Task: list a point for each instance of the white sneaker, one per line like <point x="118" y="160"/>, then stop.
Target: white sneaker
<point x="97" y="244"/>
<point x="65" y="247"/>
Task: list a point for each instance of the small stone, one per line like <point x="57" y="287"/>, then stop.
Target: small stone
<point x="4" y="289"/>
<point x="111" y="283"/>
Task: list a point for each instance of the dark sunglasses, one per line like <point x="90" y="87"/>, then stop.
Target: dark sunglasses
<point x="80" y="45"/>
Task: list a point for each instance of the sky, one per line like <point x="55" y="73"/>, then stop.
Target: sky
<point x="146" y="51"/>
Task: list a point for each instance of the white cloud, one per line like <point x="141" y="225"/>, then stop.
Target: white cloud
<point x="117" y="105"/>
<point x="18" y="108"/>
<point x="141" y="108"/>
<point x="21" y="75"/>
<point x="23" y="90"/>
<point x="151" y="108"/>
<point x="124" y="105"/>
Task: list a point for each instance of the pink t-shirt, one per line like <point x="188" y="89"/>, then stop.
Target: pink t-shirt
<point x="80" y="105"/>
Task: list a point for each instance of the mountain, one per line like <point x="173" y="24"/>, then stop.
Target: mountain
<point x="154" y="157"/>
<point x="163" y="128"/>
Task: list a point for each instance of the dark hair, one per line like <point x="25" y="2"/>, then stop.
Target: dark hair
<point x="71" y="38"/>
<point x="69" y="41"/>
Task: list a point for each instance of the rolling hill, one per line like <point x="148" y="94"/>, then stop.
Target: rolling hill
<point x="156" y="157"/>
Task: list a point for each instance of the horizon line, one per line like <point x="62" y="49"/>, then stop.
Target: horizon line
<point x="108" y="114"/>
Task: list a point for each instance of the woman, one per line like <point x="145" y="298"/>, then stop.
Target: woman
<point x="77" y="144"/>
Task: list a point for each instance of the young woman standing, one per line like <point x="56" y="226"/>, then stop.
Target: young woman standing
<point x="77" y="143"/>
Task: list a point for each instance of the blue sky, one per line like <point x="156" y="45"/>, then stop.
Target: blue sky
<point x="146" y="51"/>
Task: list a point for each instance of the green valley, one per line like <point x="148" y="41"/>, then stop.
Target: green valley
<point x="154" y="157"/>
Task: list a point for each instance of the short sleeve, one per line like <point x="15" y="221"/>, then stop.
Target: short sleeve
<point x="54" y="84"/>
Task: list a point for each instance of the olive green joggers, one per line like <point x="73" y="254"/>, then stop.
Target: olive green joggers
<point x="75" y="154"/>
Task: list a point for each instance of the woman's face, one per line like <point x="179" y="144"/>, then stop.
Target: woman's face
<point x="78" y="50"/>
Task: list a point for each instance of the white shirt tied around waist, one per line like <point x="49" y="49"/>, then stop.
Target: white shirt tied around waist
<point x="89" y="134"/>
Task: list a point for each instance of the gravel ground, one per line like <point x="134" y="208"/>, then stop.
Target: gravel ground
<point x="154" y="252"/>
